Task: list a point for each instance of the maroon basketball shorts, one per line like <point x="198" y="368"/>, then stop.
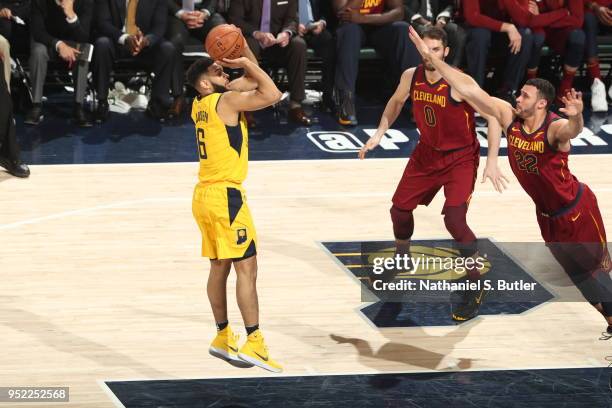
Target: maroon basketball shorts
<point x="429" y="170"/>
<point x="576" y="233"/>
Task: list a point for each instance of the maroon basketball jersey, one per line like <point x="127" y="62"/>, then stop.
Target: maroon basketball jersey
<point x="542" y="171"/>
<point x="372" y="7"/>
<point x="444" y="123"/>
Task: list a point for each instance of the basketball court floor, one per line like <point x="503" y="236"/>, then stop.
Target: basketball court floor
<point x="103" y="288"/>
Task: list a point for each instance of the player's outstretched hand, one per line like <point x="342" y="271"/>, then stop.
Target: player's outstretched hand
<point x="239" y="62"/>
<point x="420" y="45"/>
<point x="370" y="145"/>
<point x="493" y="173"/>
<point x="573" y="103"/>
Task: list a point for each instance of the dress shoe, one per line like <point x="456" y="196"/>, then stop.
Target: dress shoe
<point x="34" y="115"/>
<point x="298" y="116"/>
<point x="81" y="118"/>
<point x="103" y="112"/>
<point x="346" y="110"/>
<point x="177" y="108"/>
<point x="156" y="111"/>
<point x="15" y="167"/>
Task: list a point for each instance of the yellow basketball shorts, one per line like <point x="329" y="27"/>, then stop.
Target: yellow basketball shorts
<point x="225" y="221"/>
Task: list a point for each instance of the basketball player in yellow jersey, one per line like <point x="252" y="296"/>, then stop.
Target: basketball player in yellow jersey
<point x="219" y="203"/>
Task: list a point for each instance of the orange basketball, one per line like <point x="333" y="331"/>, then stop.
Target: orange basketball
<point x="224" y="41"/>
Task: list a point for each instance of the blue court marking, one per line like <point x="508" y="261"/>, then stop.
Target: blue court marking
<point x="416" y="308"/>
<point x="546" y="388"/>
<point x="134" y="138"/>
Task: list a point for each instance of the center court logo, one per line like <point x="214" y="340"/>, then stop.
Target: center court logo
<point x="422" y="291"/>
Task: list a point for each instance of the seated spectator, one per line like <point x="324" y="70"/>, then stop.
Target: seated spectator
<point x="377" y="23"/>
<point x="314" y="16"/>
<point x="223" y="6"/>
<point x="58" y="28"/>
<point x="598" y="17"/>
<point x="183" y="24"/>
<point x="425" y="13"/>
<point x="10" y="11"/>
<point x="489" y="27"/>
<point x="133" y="29"/>
<point x="270" y="28"/>
<point x="9" y="149"/>
<point x="565" y="37"/>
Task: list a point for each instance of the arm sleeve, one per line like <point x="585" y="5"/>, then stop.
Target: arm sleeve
<point x="38" y="27"/>
<point x="105" y="23"/>
<point x="290" y="18"/>
<point x="173" y="7"/>
<point x="158" y="26"/>
<point x="237" y="17"/>
<point x="81" y="28"/>
<point x="473" y="16"/>
<point x="574" y="19"/>
<point x="520" y="14"/>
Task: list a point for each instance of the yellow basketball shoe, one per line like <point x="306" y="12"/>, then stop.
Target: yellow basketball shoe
<point x="225" y="347"/>
<point x="255" y="352"/>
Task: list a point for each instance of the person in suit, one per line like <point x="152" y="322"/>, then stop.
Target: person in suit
<point x="313" y="26"/>
<point x="183" y="24"/>
<point x="424" y="13"/>
<point x="57" y="27"/>
<point x="133" y="28"/>
<point x="10" y="31"/>
<point x="271" y="30"/>
<point x="377" y="23"/>
<point x="9" y="149"/>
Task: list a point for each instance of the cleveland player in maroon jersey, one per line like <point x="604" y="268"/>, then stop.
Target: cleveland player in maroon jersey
<point x="446" y="156"/>
<point x="538" y="150"/>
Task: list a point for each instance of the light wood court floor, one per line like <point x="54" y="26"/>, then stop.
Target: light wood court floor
<point x="102" y="278"/>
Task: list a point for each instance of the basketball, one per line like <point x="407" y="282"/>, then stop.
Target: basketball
<point x="224" y="41"/>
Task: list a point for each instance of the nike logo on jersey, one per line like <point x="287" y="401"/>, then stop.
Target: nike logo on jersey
<point x="576" y="217"/>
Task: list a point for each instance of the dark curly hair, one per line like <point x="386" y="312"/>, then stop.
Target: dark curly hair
<point x="197" y="69"/>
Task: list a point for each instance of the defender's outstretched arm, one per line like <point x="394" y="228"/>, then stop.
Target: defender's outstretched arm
<point x="465" y="85"/>
<point x="392" y="111"/>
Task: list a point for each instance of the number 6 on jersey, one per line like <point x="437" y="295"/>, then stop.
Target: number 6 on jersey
<point x="201" y="145"/>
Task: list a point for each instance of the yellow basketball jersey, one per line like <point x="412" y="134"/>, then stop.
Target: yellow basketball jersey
<point x="223" y="150"/>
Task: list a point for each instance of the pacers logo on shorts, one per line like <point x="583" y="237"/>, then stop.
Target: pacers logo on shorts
<point x="241" y="236"/>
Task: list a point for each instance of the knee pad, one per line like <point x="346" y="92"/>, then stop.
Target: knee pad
<point x="403" y="223"/>
<point x="454" y="220"/>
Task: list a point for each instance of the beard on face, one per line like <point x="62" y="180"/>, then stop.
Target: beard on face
<point x="525" y="113"/>
<point x="429" y="67"/>
<point x="219" y="88"/>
